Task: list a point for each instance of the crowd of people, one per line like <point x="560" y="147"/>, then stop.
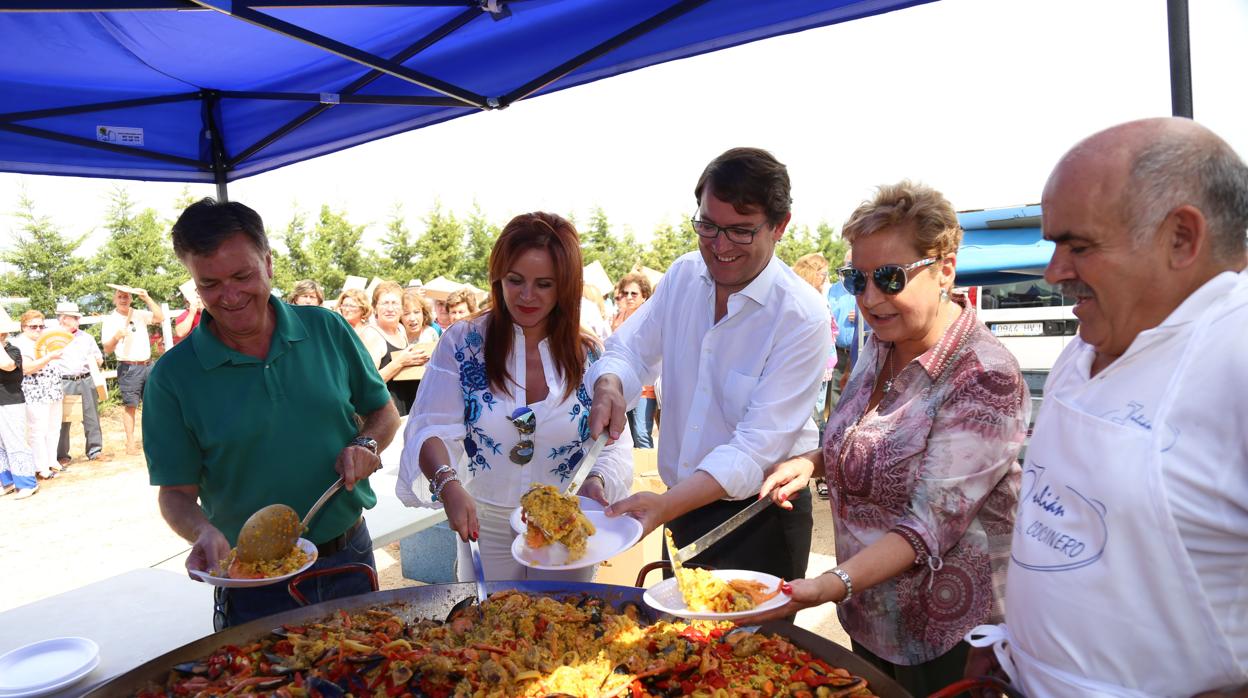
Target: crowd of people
<point x="1135" y="479"/>
<point x="51" y="379"/>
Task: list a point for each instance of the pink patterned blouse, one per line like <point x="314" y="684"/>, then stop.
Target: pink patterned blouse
<point x="935" y="462"/>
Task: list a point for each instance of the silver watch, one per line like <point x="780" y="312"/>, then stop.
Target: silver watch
<point x="365" y="441"/>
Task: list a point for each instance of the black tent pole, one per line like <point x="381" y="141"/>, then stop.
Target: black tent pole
<point x="214" y="142"/>
<point x="1180" y="59"/>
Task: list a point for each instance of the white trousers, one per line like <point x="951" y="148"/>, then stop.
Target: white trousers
<point x="496" y="558"/>
<point x="43" y="429"/>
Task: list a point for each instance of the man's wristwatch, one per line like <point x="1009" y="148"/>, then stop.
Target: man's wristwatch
<point x="365" y="442"/>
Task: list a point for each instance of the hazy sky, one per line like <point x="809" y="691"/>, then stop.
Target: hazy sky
<point x="976" y="97"/>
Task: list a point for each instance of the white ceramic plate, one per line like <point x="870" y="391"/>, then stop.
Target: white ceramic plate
<point x="614" y="536"/>
<point x="517" y="516"/>
<point x="47" y="666"/>
<point x="306" y="545"/>
<point x="665" y="596"/>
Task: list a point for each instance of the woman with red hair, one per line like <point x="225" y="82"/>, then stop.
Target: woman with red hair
<point x="502" y="405"/>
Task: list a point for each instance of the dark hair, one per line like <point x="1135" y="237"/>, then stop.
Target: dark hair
<point x="568" y="343"/>
<point x="749" y="178"/>
<point x="207" y="223"/>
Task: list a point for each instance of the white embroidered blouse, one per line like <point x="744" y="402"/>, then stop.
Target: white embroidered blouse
<point x="457" y="404"/>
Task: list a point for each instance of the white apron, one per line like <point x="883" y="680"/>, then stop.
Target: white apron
<point x="1101" y="597"/>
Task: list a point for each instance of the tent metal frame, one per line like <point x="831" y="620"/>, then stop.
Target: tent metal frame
<point x="221" y="163"/>
<point x="453" y="96"/>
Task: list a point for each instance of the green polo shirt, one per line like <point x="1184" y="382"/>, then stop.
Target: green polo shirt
<point x="252" y="432"/>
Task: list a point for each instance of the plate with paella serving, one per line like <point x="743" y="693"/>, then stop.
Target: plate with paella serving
<point x="716" y="594"/>
<point x="562" y="531"/>
<point x="700" y="594"/>
<point x="233" y="572"/>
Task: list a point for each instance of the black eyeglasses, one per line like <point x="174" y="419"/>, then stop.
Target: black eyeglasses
<point x="525" y="422"/>
<point x="34" y="327"/>
<point x="735" y="233"/>
<point x="889" y="278"/>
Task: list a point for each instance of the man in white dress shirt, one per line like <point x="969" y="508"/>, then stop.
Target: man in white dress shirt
<point x="125" y="333"/>
<point x="1130" y="551"/>
<point x="80" y="357"/>
<point x="740" y="342"/>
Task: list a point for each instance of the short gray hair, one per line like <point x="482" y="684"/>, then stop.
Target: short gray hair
<point x="1203" y="172"/>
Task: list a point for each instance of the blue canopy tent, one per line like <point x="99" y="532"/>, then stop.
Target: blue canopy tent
<point x="214" y="90"/>
<point x="1002" y="245"/>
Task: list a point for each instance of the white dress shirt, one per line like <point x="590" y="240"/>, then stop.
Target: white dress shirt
<point x="80" y="355"/>
<point x="1205" y="464"/>
<point x="454" y="403"/>
<point x="737" y="394"/>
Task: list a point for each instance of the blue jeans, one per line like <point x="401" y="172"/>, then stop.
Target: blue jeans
<point x="237" y="606"/>
<point x="641" y="422"/>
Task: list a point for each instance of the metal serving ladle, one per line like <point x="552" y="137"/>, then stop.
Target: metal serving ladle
<point x="272" y="531"/>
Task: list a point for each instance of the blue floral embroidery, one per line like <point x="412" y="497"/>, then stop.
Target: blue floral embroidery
<point x="472" y="380"/>
<point x="573" y="451"/>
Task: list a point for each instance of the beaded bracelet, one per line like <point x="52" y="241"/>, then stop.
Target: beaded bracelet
<point x="844" y="576"/>
<point x="437" y="493"/>
<point x="433" y="480"/>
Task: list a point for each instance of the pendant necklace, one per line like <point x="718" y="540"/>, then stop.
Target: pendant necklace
<point x="888" y="384"/>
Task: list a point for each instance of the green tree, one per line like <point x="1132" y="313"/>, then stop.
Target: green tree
<point x="668" y="243"/>
<point x="481" y="236"/>
<point x="46" y="264"/>
<point x="797" y="241"/>
<point x="833" y="247"/>
<point x="293" y="264"/>
<point x="336" y="251"/>
<point x="326" y="254"/>
<point x="440" y="249"/>
<point x="398" y="248"/>
<point x="618" y="253"/>
<point x="138" y="252"/>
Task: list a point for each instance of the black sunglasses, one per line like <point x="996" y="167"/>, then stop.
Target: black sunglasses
<point x="525" y="422"/>
<point x="889" y="278"/>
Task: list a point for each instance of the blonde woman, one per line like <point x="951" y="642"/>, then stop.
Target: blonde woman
<point x="920" y="453"/>
<point x="386" y="341"/>
<point x="42" y="388"/>
<point x="418" y="318"/>
<point x="353" y="305"/>
<point x="813" y="269"/>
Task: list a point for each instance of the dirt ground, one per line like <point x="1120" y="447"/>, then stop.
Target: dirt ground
<point x="96" y="520"/>
<point x="99" y="519"/>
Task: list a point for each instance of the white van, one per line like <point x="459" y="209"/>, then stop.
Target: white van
<point x="1001" y="262"/>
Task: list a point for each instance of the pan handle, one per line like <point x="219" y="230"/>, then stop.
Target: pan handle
<point x="662" y="564"/>
<point x="980" y="682"/>
<point x="351" y="567"/>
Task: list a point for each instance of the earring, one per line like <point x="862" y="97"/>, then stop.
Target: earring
<point x="944" y="295"/>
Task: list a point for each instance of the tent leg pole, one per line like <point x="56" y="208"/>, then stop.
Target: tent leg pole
<point x="1180" y="58"/>
<point x="222" y="194"/>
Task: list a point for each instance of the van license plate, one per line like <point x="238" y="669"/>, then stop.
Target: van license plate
<point x="1018" y="329"/>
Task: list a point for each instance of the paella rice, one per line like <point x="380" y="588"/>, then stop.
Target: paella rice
<point x="553" y="517"/>
<point x="704" y="592"/>
<point x="234" y="568"/>
<point x="513" y="645"/>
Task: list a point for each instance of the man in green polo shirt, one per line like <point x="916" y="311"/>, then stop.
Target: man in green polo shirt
<point x="260" y="407"/>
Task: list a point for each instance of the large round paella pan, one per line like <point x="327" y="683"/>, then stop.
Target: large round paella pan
<point x="437" y="601"/>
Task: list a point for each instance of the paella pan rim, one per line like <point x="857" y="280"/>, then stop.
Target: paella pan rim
<point x="434" y="601"/>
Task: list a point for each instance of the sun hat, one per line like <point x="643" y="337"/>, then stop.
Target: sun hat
<point x="68" y="308"/>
